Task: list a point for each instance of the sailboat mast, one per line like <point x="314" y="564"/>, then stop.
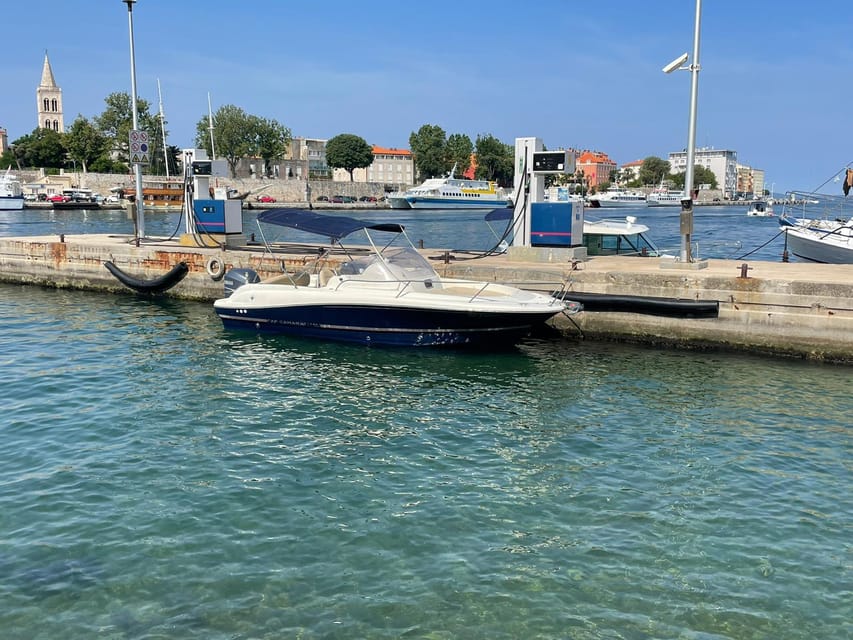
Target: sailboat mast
<point x="163" y="128"/>
<point x="210" y="125"/>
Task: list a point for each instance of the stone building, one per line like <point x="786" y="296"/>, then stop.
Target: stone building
<point x="393" y="168"/>
<point x="597" y="167"/>
<point x="49" y="100"/>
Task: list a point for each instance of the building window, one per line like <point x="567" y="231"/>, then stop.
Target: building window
<point x="56" y="125"/>
<point x="47" y="124"/>
<point x="46" y="103"/>
<point x="53" y="105"/>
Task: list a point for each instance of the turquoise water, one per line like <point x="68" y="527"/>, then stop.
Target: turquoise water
<point x="161" y="478"/>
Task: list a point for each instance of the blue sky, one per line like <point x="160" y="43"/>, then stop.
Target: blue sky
<point x="775" y="85"/>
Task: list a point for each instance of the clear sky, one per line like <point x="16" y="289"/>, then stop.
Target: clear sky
<point x="775" y="85"/>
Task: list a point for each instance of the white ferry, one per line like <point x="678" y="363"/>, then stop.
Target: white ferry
<point x="451" y="193"/>
<point x="618" y="197"/>
<point x="11" y="196"/>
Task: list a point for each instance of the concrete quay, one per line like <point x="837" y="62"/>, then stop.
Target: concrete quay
<point x="797" y="310"/>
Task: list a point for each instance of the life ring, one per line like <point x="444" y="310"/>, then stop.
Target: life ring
<point x="215" y="268"/>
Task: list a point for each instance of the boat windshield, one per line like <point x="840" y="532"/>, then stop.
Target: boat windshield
<point x="398" y="263"/>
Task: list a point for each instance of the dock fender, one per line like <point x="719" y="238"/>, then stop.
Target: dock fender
<point x="215" y="268"/>
<point x="156" y="285"/>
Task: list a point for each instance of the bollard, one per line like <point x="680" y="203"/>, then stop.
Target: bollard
<point x="743" y="270"/>
<point x="62" y="237"/>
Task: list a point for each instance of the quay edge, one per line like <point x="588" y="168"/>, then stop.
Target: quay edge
<point x="798" y="310"/>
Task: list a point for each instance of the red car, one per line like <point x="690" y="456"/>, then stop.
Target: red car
<point x="265" y="199"/>
<point x="58" y="198"/>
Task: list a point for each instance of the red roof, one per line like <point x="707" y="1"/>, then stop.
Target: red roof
<point x="391" y="152"/>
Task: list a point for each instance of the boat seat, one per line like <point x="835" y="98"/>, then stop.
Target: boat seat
<point x="301" y="279"/>
<point x="324" y="276"/>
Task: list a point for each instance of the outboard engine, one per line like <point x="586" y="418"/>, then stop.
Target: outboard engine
<point x="236" y="278"/>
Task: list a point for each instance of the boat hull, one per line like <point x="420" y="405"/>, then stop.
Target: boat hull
<point x="387" y="326"/>
<point x="11" y="203"/>
<point x="821" y="246"/>
<point x="617" y="204"/>
<point x="421" y="202"/>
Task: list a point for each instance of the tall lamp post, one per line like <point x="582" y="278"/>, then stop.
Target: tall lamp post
<point x="139" y="218"/>
<point x="687" y="202"/>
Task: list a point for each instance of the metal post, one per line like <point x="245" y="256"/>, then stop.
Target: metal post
<point x="139" y="219"/>
<point x="687" y="205"/>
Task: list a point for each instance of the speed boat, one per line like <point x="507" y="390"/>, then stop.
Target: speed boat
<point x="760" y="209"/>
<point x="618" y="197"/>
<point x="385" y="295"/>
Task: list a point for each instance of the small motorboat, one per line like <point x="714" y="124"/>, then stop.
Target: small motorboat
<point x="760" y="209"/>
<point x="385" y="295"/>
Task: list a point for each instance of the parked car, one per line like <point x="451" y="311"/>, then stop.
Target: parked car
<point x="322" y="198"/>
<point x="367" y="199"/>
<point x="340" y="199"/>
<point x="58" y="198"/>
<point x="265" y="198"/>
<point x="112" y="199"/>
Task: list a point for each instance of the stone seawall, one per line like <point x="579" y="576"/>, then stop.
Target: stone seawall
<point x="282" y="189"/>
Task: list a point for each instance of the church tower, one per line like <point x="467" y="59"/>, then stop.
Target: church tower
<point x="49" y="99"/>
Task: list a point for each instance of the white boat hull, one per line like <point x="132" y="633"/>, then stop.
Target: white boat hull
<point x="455" y="203"/>
<point x="12" y="203"/>
<point x="830" y="247"/>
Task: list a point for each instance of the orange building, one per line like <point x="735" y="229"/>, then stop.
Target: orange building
<point x="596" y="167"/>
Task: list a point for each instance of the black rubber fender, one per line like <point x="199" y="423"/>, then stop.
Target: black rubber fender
<point x="156" y="285"/>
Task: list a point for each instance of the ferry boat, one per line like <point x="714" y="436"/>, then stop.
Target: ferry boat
<point x="11" y="195"/>
<point x="451" y="193"/>
<point x="617" y="197"/>
<point x="664" y="196"/>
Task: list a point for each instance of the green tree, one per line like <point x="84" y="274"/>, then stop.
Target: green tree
<point x="348" y="151"/>
<point x="234" y="134"/>
<point x="429" y="149"/>
<point x="85" y="143"/>
<point x="701" y="175"/>
<point x="653" y="170"/>
<point x="459" y="151"/>
<point x="116" y="122"/>
<point x="270" y="141"/>
<point x="494" y="159"/>
<point x="41" y="148"/>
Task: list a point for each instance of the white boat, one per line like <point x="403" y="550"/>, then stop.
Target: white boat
<point x="624" y="237"/>
<point x="11" y="195"/>
<point x="617" y="197"/>
<point x="824" y="230"/>
<point x="389" y="296"/>
<point x="760" y="209"/>
<point x="605" y="237"/>
<point x="664" y="196"/>
<point x="451" y="193"/>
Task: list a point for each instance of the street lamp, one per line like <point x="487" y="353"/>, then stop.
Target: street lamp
<point x="139" y="218"/>
<point x="687" y="202"/>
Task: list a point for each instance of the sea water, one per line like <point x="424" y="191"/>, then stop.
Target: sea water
<point x="163" y="478"/>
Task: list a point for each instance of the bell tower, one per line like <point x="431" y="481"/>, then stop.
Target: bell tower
<point x="49" y="100"/>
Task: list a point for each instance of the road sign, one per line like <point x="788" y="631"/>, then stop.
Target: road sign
<point x="138" y="145"/>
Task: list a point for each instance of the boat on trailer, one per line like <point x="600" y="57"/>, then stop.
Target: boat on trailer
<point x="387" y="295"/>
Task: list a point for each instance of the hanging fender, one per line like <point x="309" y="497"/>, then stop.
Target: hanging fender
<point x="156" y="285"/>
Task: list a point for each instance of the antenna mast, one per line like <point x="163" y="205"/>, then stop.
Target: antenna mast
<point x="210" y="122"/>
<point x="163" y="128"/>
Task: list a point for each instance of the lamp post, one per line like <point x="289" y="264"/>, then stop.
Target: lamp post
<point x="687" y="202"/>
<point x="139" y="218"/>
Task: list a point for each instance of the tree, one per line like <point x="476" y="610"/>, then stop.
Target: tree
<point x="701" y="175"/>
<point x="459" y="151"/>
<point x="429" y="149"/>
<point x="233" y="135"/>
<point x="653" y="170"/>
<point x="85" y="143"/>
<point x="271" y="140"/>
<point x="41" y="148"/>
<point x="494" y="159"/>
<point x="348" y="151"/>
<point x="117" y="120"/>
